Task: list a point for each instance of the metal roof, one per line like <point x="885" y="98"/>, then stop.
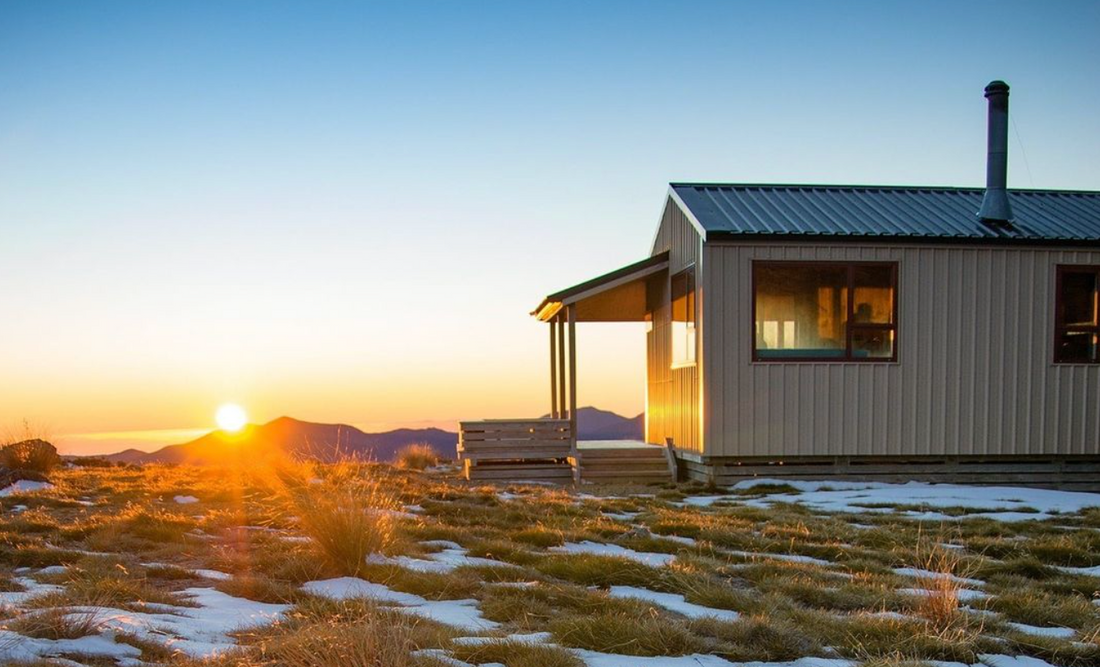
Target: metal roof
<point x="915" y="214"/>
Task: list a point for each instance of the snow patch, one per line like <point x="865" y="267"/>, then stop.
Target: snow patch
<point x="790" y="558"/>
<point x="595" y="659"/>
<point x="929" y="574"/>
<point x="528" y="638"/>
<point x="463" y="614"/>
<point x="600" y="549"/>
<point x="1012" y="661"/>
<point x="1060" y="633"/>
<point x="626" y="517"/>
<point x="1000" y="503"/>
<point x="963" y="594"/>
<point x="673" y="602"/>
<point x="344" y="588"/>
<point x="30" y="587"/>
<point x="451" y="556"/>
<point x="185" y="500"/>
<point x="197" y="631"/>
<point x="24" y="486"/>
<point x="15" y="648"/>
<point x="1087" y="571"/>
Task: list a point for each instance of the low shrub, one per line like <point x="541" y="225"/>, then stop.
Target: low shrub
<point x="417" y="457"/>
<point x="31" y="458"/>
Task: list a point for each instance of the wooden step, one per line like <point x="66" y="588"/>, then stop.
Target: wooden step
<point x="634" y="453"/>
<point x="659" y="469"/>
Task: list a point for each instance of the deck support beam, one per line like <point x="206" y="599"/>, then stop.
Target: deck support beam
<point x="572" y="315"/>
<point x="560" y="324"/>
<point x="553" y="373"/>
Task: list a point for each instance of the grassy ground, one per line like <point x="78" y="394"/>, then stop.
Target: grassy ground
<point x="141" y="541"/>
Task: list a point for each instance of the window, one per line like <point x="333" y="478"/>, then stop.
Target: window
<point x="1077" y="322"/>
<point x="683" y="318"/>
<point x="824" y="311"/>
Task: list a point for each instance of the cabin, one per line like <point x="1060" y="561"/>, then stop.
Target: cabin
<point x="851" y="332"/>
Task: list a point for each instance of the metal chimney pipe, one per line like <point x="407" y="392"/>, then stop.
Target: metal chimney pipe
<point x="995" y="207"/>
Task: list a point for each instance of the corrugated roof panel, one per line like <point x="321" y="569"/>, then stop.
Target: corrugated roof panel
<point x="895" y="212"/>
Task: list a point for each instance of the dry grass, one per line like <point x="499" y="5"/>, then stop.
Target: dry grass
<point x="627" y="634"/>
<point x="252" y="523"/>
<point x="515" y="654"/>
<point x="366" y="641"/>
<point x="940" y="606"/>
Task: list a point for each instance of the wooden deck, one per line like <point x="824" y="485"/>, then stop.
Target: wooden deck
<point x="539" y="450"/>
<point x="543" y="450"/>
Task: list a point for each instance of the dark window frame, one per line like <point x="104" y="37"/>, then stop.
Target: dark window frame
<point x="849" y="327"/>
<point x="1060" y="327"/>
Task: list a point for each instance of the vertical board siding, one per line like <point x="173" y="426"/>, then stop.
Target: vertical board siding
<point x="974" y="375"/>
<point x="673" y="394"/>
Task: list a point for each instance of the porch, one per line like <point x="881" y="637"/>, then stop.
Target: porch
<point x="548" y="449"/>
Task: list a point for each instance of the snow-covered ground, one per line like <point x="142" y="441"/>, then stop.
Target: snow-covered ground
<point x="24" y="486"/>
<point x="994" y="502"/>
<point x="204" y="630"/>
<point x="673" y="602"/>
<point x="462" y="614"/>
<point x="604" y="549"/>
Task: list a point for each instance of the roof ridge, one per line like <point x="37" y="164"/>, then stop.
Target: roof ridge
<point x="769" y="210"/>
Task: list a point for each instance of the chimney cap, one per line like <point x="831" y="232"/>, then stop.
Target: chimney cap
<point x="996" y="87"/>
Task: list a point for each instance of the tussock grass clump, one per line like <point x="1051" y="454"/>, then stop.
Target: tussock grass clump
<point x="366" y="641"/>
<point x="540" y="536"/>
<point x="940" y="606"/>
<point x="627" y="634"/>
<point x="1027" y="566"/>
<point x="349" y="517"/>
<point x="104" y="582"/>
<point x="868" y="637"/>
<point x="506" y="551"/>
<point x="140" y="523"/>
<point x="533" y="607"/>
<point x="54" y="623"/>
<point x="432" y="585"/>
<point x="597" y="570"/>
<point x="33" y="458"/>
<point x="260" y="589"/>
<point x="350" y="633"/>
<point x="34" y="555"/>
<point x="758" y="638"/>
<point x="1043" y="609"/>
<point x="417" y="456"/>
<point x="267" y="555"/>
<point x="515" y="654"/>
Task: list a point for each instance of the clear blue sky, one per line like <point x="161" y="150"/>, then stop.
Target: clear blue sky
<point x="344" y="211"/>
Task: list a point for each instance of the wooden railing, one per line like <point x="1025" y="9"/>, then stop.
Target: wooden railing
<point x="515" y="440"/>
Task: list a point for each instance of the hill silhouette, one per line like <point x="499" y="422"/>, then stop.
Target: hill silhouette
<point x="333" y="442"/>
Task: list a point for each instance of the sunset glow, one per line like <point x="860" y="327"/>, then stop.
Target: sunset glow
<point x="231" y="417"/>
<point x="359" y="236"/>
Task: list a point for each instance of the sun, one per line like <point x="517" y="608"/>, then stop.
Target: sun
<point x="231" y="417"/>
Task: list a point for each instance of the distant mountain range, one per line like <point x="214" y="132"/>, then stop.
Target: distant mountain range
<point x="332" y="442"/>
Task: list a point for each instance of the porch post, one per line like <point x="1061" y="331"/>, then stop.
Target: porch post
<point x="553" y="374"/>
<point x="573" y="392"/>
<point x="560" y="323"/>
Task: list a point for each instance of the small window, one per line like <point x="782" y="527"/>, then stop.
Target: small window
<point x="824" y="311"/>
<point x="1077" y="315"/>
<point x="683" y="318"/>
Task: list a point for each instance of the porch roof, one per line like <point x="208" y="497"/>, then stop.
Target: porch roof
<point x="618" y="296"/>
